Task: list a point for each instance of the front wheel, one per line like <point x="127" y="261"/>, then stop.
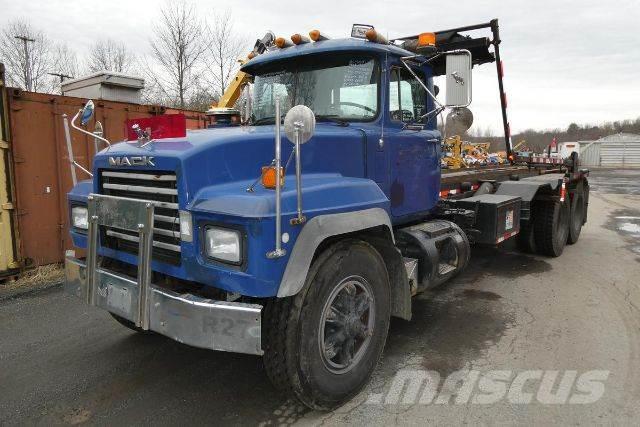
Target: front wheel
<point x="323" y="344"/>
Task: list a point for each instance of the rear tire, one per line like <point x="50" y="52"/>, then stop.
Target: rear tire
<point x="323" y="344"/>
<point x="551" y="227"/>
<point x="577" y="217"/>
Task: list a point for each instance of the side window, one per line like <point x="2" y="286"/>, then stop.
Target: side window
<point x="406" y="96"/>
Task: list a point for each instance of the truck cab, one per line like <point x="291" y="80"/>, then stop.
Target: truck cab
<point x="186" y="236"/>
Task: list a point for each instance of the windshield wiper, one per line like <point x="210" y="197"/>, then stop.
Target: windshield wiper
<point x="334" y="118"/>
<point x="264" y="121"/>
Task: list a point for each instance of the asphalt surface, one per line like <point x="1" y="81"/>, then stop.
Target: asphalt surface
<point x="64" y="363"/>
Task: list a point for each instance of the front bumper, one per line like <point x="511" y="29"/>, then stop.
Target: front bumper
<point x="189" y="319"/>
<point x="186" y="318"/>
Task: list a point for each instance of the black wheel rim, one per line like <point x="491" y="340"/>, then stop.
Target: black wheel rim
<point x="346" y="324"/>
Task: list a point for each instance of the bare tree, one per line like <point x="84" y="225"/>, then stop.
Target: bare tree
<point x="225" y="48"/>
<point x="177" y="49"/>
<point x="26" y="53"/>
<point x="109" y="55"/>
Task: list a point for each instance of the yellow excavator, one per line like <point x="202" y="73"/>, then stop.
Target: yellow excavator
<point x="224" y="113"/>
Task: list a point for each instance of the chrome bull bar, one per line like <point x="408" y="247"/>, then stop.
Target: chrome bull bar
<point x="190" y="319"/>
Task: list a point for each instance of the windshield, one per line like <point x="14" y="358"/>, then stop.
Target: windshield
<point x="339" y="87"/>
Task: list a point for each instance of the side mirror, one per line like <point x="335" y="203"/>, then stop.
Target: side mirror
<point x="87" y="113"/>
<point x="458" y="67"/>
<point x="299" y="124"/>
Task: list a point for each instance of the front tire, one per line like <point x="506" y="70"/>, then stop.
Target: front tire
<point x="323" y="344"/>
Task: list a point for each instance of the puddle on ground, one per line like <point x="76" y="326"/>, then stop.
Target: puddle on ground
<point x="450" y="327"/>
<point x="626" y="222"/>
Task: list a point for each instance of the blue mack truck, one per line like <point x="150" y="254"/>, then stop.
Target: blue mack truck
<point x="229" y="239"/>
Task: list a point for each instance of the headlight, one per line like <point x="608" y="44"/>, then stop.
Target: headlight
<point x="80" y="217"/>
<point x="223" y="244"/>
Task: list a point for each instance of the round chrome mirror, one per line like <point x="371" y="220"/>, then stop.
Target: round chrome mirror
<point x="459" y="120"/>
<point x="299" y="120"/>
<point x="87" y="112"/>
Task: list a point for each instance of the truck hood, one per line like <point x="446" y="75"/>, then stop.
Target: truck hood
<point x="223" y="155"/>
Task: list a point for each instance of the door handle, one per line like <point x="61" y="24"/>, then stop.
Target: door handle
<point x="433" y="140"/>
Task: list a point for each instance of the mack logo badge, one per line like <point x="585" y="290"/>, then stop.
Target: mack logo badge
<point x="131" y="161"/>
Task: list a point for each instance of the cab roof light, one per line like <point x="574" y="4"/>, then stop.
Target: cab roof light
<point x="374" y="36"/>
<point x="299" y="39"/>
<point x="427" y="39"/>
<point x="317" y="36"/>
<point x="281" y="43"/>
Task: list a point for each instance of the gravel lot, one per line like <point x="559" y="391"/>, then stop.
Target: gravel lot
<point x="63" y="362"/>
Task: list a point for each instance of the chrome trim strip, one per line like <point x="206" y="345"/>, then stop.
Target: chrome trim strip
<point x="144" y="176"/>
<point x="164" y="232"/>
<point x="169" y="219"/>
<point x="141" y="189"/>
<point x="136" y="239"/>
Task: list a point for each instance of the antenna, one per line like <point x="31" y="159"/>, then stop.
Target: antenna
<point x="61" y="76"/>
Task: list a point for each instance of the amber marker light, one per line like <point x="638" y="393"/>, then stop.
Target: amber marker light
<point x="269" y="177"/>
<point x="299" y="39"/>
<point x="373" y="36"/>
<point x="317" y="36"/>
<point x="281" y="43"/>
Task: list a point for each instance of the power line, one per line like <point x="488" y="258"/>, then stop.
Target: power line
<point x="28" y="82"/>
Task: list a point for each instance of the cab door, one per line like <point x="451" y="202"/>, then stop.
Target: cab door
<point x="414" y="148"/>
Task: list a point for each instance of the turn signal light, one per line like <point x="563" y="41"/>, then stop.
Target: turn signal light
<point x="269" y="177"/>
<point x="317" y="36"/>
<point x="299" y="39"/>
<point x="427" y="39"/>
<point x="281" y="42"/>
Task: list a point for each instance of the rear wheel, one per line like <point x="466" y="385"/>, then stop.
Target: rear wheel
<point x="323" y="344"/>
<point x="551" y="227"/>
<point x="577" y="217"/>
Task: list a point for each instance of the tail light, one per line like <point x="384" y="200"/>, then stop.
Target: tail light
<point x="563" y="191"/>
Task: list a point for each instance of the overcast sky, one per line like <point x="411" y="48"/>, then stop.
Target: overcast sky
<point x="565" y="61"/>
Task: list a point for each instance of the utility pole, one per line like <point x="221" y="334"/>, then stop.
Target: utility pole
<point x="27" y="83"/>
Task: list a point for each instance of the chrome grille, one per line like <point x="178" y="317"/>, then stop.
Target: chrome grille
<point x="161" y="189"/>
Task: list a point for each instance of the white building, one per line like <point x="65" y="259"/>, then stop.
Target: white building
<point x="620" y="150"/>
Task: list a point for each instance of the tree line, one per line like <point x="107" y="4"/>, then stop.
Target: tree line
<point x="538" y="140"/>
<point x="192" y="57"/>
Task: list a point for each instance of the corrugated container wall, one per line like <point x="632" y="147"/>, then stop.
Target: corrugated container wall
<point x="42" y="174"/>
